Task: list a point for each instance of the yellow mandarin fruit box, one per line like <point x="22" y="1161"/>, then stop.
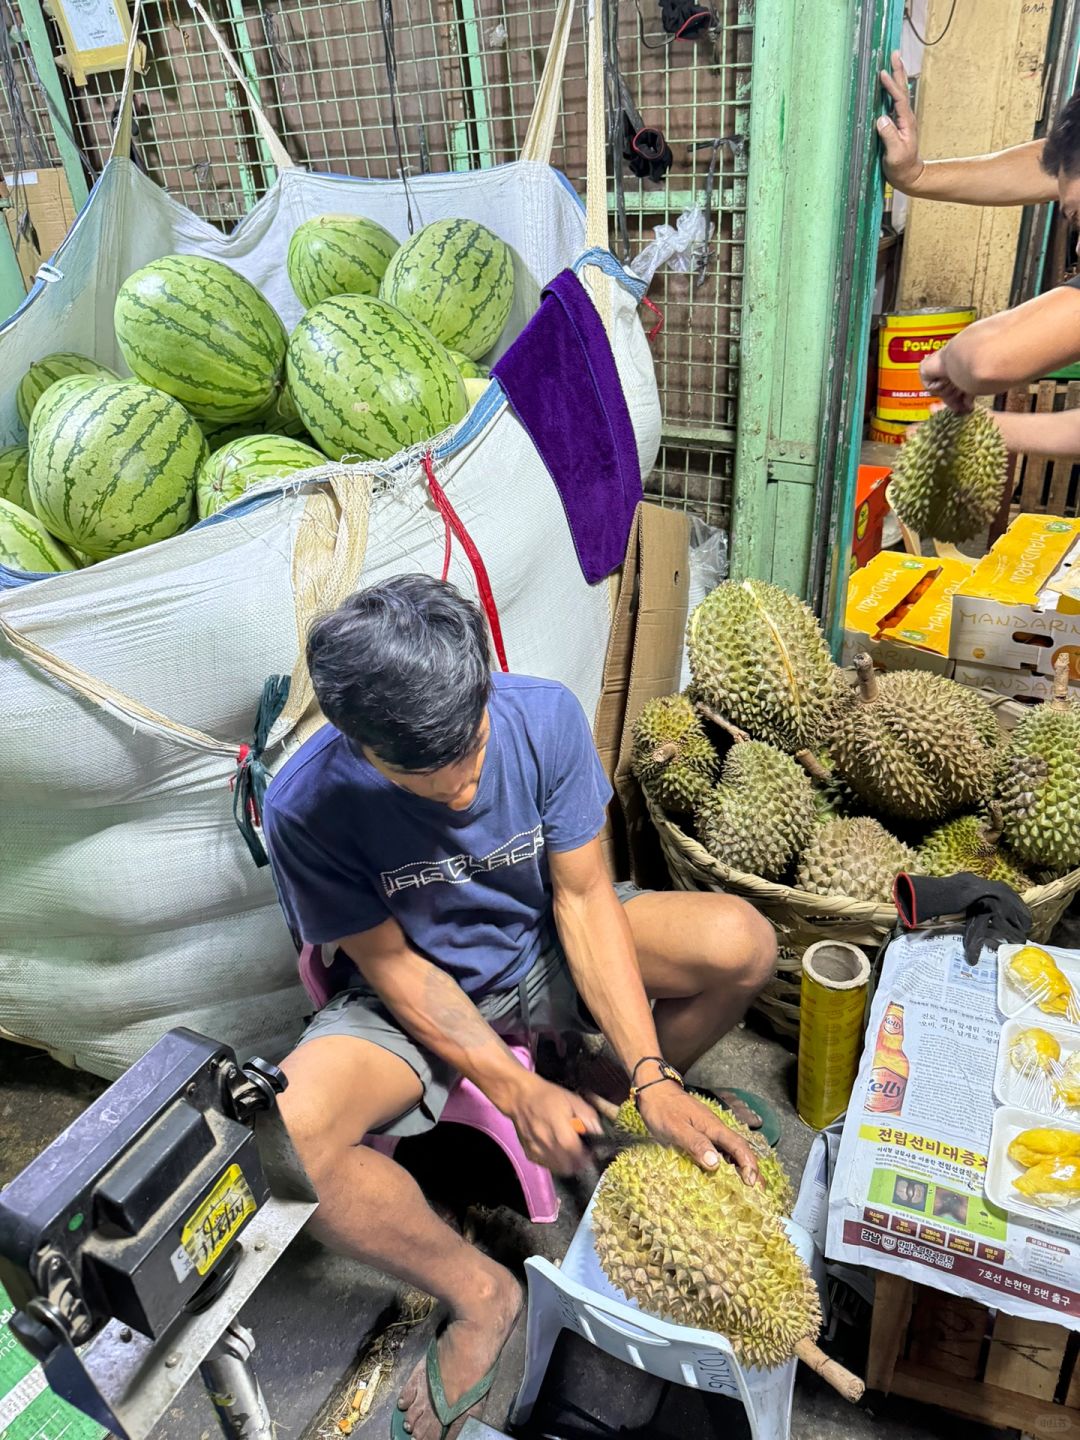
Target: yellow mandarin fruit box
<point x="1020" y="607"/>
<point x="899" y="609"/>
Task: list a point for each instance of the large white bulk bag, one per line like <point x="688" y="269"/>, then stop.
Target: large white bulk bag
<point x="129" y="902"/>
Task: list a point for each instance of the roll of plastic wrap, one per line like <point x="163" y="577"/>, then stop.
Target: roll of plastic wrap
<point x="835" y="976"/>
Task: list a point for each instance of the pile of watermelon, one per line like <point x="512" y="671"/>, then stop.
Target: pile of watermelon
<point x="388" y="353"/>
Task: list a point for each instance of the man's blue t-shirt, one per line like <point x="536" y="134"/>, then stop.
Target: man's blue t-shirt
<point x="469" y="888"/>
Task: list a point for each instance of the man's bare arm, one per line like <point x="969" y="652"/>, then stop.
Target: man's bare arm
<point x="1018" y="345"/>
<point x="1052" y="434"/>
<point x="1007" y="177"/>
<point x="434" y="1009"/>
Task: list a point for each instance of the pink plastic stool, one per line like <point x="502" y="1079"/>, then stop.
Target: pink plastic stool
<point x="465" y="1105"/>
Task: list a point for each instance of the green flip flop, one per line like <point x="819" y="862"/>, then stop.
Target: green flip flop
<point x="445" y="1413"/>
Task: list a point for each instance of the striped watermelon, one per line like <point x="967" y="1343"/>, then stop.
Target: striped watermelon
<point x="457" y="278"/>
<point x="26" y="545"/>
<point x="280" y="419"/>
<point x="198" y="331"/>
<point x="15" y="475"/>
<point x="369" y="381"/>
<point x="470" y="369"/>
<point x="46" y="372"/>
<point x="243" y="463"/>
<point x="113" y="465"/>
<point x="338" y="255"/>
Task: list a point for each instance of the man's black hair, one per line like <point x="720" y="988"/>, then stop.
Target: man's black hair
<point x="1061" y="153"/>
<point x="403" y="668"/>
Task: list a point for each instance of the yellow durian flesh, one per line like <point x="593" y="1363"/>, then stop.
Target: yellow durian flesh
<point x="1067" y="1082"/>
<point x="1031" y="1147"/>
<point x="1034" y="1049"/>
<point x="1036" y="973"/>
<point x="1052" y="1182"/>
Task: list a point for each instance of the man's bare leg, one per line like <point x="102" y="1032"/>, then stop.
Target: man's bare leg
<point x="369" y="1207"/>
<point x="703" y="958"/>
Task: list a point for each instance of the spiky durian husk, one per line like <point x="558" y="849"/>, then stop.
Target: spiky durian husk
<point x="704" y="1250"/>
<point x="857" y="858"/>
<point x="758" y="657"/>
<point x="1039" y="788"/>
<point x="761" y="812"/>
<point x="672" y="756"/>
<point x="949" y="475"/>
<point x="773" y="1175"/>
<point x="922" y="748"/>
<point x="966" y="844"/>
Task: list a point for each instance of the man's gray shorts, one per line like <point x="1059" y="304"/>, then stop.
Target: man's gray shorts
<point x="545" y="1000"/>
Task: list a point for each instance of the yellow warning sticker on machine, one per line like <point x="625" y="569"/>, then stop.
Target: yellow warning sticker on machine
<point x="210" y="1228"/>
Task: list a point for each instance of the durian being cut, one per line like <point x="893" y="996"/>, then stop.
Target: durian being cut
<point x="706" y="1250"/>
<point x="1037" y="975"/>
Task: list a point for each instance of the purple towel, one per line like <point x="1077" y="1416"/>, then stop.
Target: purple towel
<point x="560" y="379"/>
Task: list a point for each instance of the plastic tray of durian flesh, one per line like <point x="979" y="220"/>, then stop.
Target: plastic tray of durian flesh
<point x="1037" y="982"/>
<point x="1038" y="1067"/>
<point x="1033" y="1167"/>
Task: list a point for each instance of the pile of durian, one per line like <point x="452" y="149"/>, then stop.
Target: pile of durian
<point x="783" y="769"/>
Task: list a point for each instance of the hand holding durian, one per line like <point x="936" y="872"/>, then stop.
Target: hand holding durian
<point x="837" y="790"/>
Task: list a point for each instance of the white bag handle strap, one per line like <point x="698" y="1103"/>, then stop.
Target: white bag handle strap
<point x="122" y="136"/>
<point x="540" y="138"/>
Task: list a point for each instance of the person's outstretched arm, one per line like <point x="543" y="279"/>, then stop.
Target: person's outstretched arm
<point x="1007" y="177"/>
<point x="1021" y="344"/>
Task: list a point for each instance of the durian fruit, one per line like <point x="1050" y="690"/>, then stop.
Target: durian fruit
<point x="833" y="796"/>
<point x="774" y="1177"/>
<point x="916" y="745"/>
<point x="1034" y="1049"/>
<point x="1036" y="974"/>
<point x="949" y="477"/>
<point x="758" y="658"/>
<point x="1031" y="1147"/>
<point x="760" y="814"/>
<point x="855" y="857"/>
<point x="672" y="756"/>
<point x="1067" y="1081"/>
<point x="1053" y="1183"/>
<point x="1039" y="786"/>
<point x="970" y="844"/>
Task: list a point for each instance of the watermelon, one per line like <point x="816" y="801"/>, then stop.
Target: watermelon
<point x="457" y="278"/>
<point x="43" y="373"/>
<point x="369" y="381"/>
<point x="338" y="255"/>
<point x="470" y="369"/>
<point x="473" y="390"/>
<point x="113" y="465"/>
<point x="15" y="475"/>
<point x="202" y="333"/>
<point x="26" y="545"/>
<point x="243" y="463"/>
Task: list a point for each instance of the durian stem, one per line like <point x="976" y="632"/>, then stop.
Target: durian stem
<point x="833" y="1373"/>
<point x="994" y="825"/>
<point x="1059" y="699"/>
<point x="663" y="753"/>
<point x="864" y="671"/>
<point x="715" y="718"/>
<point x="813" y="766"/>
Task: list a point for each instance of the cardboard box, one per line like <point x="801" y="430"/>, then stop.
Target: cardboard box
<point x="899" y="610"/>
<point x="42" y="196"/>
<point x="1013" y="684"/>
<point x="1011" y="613"/>
<point x="871" y="508"/>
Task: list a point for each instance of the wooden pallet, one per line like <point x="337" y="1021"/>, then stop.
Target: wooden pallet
<point x="1040" y="485"/>
<point x="976" y="1362"/>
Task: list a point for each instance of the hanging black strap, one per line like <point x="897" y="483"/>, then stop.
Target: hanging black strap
<point x="252" y="777"/>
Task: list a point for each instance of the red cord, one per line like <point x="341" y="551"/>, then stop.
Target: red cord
<point x="453" y="524"/>
<point x="652" y="334"/>
<point x="698" y="15"/>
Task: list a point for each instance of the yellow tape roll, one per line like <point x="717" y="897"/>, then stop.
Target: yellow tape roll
<point x="835" y="976"/>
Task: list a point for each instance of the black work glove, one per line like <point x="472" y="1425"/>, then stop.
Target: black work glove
<point x="993" y="913"/>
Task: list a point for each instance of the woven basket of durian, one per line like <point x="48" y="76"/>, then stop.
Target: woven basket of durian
<point x="706" y="1250"/>
<point x="776" y="778"/>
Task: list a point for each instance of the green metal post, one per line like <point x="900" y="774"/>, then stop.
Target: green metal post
<point x="12" y="286"/>
<point x="474" y="76"/>
<point x="37" y="37"/>
<point x="246" y="58"/>
<point x="877" y="32"/>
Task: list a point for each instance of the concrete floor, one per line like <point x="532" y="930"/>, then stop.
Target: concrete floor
<point x="315" y="1317"/>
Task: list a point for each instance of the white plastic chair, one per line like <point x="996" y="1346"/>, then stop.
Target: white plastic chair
<point x="580" y="1297"/>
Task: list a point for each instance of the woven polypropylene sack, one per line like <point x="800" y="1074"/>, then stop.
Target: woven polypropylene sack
<point x="128" y="900"/>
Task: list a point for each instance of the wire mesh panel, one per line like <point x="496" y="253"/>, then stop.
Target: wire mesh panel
<point x="465" y="79"/>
